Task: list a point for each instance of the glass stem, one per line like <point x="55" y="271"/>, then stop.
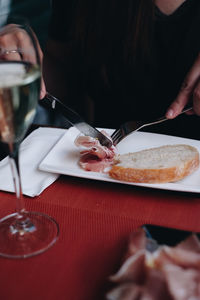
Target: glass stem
<point x="22" y="224"/>
<point x="14" y="162"/>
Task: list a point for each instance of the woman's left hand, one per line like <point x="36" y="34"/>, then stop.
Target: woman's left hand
<point x="189" y="92"/>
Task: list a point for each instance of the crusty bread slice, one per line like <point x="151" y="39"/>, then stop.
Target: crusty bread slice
<point x="156" y="165"/>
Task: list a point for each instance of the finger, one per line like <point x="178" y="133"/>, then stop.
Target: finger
<point x="38" y="46"/>
<point x="9" y="49"/>
<point x="29" y="47"/>
<point x="196" y="99"/>
<point x="182" y="99"/>
<point x="185" y="94"/>
<point x="43" y="89"/>
<point x="190" y="112"/>
<point x="12" y="54"/>
<point x="29" y="50"/>
<point x="25" y="46"/>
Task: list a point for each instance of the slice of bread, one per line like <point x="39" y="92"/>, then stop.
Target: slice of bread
<point x="156" y="165"/>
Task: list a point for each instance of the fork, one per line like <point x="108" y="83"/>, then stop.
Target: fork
<point x="128" y="127"/>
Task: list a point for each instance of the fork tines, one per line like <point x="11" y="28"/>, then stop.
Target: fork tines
<point x="117" y="136"/>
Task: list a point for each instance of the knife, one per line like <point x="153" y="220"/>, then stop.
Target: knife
<point x="75" y="119"/>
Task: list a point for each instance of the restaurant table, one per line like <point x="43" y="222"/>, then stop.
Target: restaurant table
<point x="96" y="219"/>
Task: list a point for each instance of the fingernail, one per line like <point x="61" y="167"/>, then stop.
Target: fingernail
<point x="170" y="113"/>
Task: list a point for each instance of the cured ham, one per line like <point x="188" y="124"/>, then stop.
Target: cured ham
<point x="94" y="157"/>
<point x="167" y="273"/>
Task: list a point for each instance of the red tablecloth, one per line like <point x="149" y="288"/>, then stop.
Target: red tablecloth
<point x="95" y="221"/>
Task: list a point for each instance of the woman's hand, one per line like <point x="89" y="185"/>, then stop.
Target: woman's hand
<point x="12" y="40"/>
<point x="189" y="92"/>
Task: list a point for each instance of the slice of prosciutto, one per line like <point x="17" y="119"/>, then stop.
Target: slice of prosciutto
<point x="94" y="157"/>
<point x="167" y="273"/>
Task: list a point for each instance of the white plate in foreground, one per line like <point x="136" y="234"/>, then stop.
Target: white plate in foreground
<point x="64" y="157"/>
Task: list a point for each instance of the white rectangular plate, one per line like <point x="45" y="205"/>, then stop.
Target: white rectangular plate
<point x="64" y="157"/>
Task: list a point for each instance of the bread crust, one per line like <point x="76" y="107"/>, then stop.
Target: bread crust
<point x="161" y="175"/>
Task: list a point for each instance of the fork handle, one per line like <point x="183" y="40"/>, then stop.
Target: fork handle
<point x="162" y="119"/>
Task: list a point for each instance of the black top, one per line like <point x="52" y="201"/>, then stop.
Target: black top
<point x="147" y="92"/>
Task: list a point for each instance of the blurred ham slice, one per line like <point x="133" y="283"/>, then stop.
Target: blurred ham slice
<point x="183" y="284"/>
<point x="127" y="291"/>
<point x="94" y="157"/>
<point x="168" y="273"/>
<point x="186" y="254"/>
<point x="132" y="270"/>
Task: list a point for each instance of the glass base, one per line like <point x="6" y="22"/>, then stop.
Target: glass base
<point x="27" y="235"/>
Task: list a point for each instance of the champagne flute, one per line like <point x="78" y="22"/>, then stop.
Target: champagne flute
<point x="22" y="233"/>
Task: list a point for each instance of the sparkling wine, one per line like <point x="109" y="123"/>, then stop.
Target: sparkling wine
<point x="19" y="92"/>
<point x="22" y="233"/>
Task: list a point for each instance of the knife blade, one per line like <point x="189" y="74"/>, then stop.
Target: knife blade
<point x="75" y="119"/>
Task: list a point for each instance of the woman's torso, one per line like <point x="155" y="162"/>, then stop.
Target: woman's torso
<point x="143" y="92"/>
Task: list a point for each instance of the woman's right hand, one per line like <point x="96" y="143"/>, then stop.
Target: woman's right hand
<point x="11" y="41"/>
